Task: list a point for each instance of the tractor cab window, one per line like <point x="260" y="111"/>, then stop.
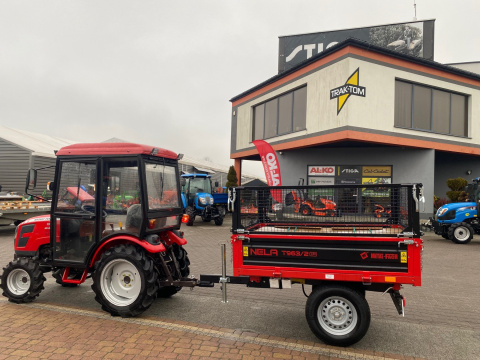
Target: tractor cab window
<point x="161" y="186"/>
<point x="200" y="185"/>
<point x="77" y="187"/>
<point x="121" y="199"/>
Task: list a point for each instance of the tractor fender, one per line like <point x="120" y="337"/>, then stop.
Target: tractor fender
<point x="125" y="239"/>
<point x="184" y="200"/>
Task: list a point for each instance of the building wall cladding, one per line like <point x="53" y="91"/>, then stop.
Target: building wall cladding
<point x="374" y="112"/>
<point x="14" y="163"/>
<point x="408" y="165"/>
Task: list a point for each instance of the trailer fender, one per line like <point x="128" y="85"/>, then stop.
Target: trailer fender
<point x="126" y="239"/>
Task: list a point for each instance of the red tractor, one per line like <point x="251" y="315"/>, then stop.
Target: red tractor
<point x="133" y="254"/>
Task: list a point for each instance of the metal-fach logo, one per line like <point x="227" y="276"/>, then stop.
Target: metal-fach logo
<point x="342" y="93"/>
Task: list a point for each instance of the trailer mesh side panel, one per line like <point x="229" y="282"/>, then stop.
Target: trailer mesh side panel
<point x="373" y="210"/>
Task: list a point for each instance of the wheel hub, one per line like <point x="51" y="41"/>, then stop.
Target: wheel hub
<point x="337" y="315"/>
<point x="18" y="281"/>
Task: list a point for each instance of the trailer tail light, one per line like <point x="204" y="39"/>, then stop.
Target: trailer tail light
<point x="185" y="218"/>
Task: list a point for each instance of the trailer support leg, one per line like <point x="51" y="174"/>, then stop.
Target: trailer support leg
<point x="224" y="279"/>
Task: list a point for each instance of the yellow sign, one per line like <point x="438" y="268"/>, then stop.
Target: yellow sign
<point x="376" y="171"/>
<point x="245" y="251"/>
<point x="403" y="257"/>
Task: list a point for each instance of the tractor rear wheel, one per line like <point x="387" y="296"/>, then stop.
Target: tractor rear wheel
<point x="190" y="211"/>
<point x="125" y="281"/>
<point x="22" y="280"/>
<point x="184" y="265"/>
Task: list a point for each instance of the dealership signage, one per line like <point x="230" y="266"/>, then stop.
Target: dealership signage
<point x="351" y="175"/>
<point x="343" y="92"/>
<point x="412" y="38"/>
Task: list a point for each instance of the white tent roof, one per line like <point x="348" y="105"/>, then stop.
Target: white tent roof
<point x="39" y="144"/>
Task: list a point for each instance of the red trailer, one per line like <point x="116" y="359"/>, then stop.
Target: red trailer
<point x="341" y="257"/>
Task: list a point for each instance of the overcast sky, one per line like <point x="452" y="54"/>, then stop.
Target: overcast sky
<point x="162" y="72"/>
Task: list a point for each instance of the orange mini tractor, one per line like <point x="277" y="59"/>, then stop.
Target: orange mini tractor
<point x="317" y="207"/>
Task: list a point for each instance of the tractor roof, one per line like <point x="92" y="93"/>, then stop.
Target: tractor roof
<point x="115" y="149"/>
<point x="197" y="175"/>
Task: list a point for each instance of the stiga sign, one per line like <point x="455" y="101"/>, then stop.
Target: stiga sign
<point x="411" y="38"/>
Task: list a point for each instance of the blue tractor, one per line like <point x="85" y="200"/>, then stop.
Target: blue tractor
<point x="459" y="221"/>
<point x="199" y="199"/>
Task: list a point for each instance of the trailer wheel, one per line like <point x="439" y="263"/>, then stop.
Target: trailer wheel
<point x="125" y="281"/>
<point x="461" y="233"/>
<point x="190" y="211"/>
<point x="337" y="315"/>
<point x="184" y="265"/>
<point x="22" y="280"/>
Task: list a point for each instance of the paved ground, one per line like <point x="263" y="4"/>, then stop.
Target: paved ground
<point x="441" y="320"/>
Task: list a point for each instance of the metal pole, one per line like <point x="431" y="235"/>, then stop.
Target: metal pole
<point x="224" y="279"/>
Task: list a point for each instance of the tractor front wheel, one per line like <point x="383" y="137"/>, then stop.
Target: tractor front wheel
<point x="305" y="210"/>
<point x="125" y="281"/>
<point x="461" y="233"/>
<point x="22" y="280"/>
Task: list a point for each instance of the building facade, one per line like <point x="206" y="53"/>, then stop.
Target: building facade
<point x="358" y="111"/>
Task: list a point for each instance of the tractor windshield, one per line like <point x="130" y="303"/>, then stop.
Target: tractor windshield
<point x="162" y="183"/>
<point x="200" y="185"/>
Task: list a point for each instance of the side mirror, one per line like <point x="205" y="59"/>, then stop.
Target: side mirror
<point x="31" y="180"/>
<point x="183" y="182"/>
<point x="216" y="184"/>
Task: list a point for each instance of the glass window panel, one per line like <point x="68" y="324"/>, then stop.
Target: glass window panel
<point x="300" y="109"/>
<point x="422" y="107"/>
<point x="258" y="121"/>
<point x="285" y="113"/>
<point x="271" y="116"/>
<point x="161" y="186"/>
<point x="441" y="111"/>
<point x="459" y="115"/>
<point x="77" y="187"/>
<point x="403" y="104"/>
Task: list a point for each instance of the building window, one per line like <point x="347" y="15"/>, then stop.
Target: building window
<point x="282" y="115"/>
<point x="420" y="107"/>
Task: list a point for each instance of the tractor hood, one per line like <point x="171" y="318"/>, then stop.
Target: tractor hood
<point x="454" y="209"/>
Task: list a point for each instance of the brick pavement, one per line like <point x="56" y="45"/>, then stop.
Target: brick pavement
<point x="447" y="300"/>
<point x="38" y="331"/>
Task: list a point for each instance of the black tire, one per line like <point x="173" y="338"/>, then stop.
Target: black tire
<point x="337" y="315"/>
<point x="305" y="210"/>
<point x="125" y="281"/>
<point x="445" y="236"/>
<point x="460" y="233"/>
<point x="22" y="280"/>
<point x="184" y="265"/>
<point x="58" y="276"/>
<point x="218" y="220"/>
<point x="190" y="211"/>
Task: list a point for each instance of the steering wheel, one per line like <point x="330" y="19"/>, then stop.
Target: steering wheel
<point x="90" y="209"/>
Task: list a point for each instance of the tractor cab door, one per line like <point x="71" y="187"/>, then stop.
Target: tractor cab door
<point x="73" y="227"/>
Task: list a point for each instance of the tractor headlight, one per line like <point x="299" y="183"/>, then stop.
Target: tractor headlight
<point x="211" y="201"/>
<point x="441" y="211"/>
<point x="202" y="201"/>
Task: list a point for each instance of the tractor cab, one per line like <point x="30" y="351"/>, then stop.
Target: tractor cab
<point x="101" y="193"/>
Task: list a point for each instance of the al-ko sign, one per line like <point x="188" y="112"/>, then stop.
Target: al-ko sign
<point x="319" y="170"/>
<point x="412" y="38"/>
